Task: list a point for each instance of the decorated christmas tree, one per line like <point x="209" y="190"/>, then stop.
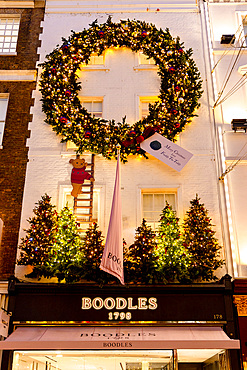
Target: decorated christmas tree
<point x="173" y="261"/>
<point x="93" y="247"/>
<point x="36" y="245"/>
<point x="199" y="239"/>
<point x="66" y="257"/>
<point x="140" y="258"/>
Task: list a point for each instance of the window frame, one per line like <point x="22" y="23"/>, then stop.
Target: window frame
<point x="92" y="100"/>
<point x="12" y="17"/>
<point x="94" y="57"/>
<point x="65" y="190"/>
<point x="150" y="99"/>
<point x="150" y="61"/>
<point x="69" y="144"/>
<point x="240" y="17"/>
<point x="173" y="189"/>
<point x="3" y="96"/>
<point x="95" y="66"/>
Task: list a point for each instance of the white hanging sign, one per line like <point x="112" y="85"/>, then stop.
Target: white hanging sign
<point x="4" y="323"/>
<point x="166" y="151"/>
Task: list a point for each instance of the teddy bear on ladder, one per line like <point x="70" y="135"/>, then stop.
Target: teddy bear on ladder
<point x="79" y="174"/>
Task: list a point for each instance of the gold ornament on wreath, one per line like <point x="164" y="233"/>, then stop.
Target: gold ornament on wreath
<point x="180" y="88"/>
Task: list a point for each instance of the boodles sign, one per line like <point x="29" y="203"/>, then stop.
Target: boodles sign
<point x="119" y="308"/>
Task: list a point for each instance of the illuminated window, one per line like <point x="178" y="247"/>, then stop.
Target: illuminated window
<point x="67" y="200"/>
<point x="153" y="203"/>
<point x="143" y="59"/>
<point x="244" y="23"/>
<point x="95" y="107"/>
<point x="94" y="360"/>
<point x="241" y="34"/>
<point x="207" y="359"/>
<point x="96" y="59"/>
<point x="3" y="112"/>
<point x="9" y="28"/>
<point x="144" y="105"/>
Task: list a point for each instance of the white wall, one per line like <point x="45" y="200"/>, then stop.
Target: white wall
<point x="225" y="19"/>
<point x="49" y="167"/>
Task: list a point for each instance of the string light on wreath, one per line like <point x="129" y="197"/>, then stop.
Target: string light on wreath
<point x="180" y="88"/>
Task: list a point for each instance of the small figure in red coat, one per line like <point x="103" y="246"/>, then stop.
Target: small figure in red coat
<point x="78" y="175"/>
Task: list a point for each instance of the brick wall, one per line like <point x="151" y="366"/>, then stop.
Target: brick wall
<point x="13" y="156"/>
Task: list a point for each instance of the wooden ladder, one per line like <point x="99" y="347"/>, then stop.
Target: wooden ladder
<point x="83" y="204"/>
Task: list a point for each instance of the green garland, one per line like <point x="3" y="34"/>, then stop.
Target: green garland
<point x="180" y="88"/>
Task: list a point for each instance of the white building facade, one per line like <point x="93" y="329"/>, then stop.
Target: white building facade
<point x="228" y="61"/>
<point x="122" y="83"/>
<point x="226" y="24"/>
<point x="48" y="317"/>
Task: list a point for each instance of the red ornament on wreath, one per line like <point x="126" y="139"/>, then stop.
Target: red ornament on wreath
<point x="171" y="70"/>
<point x="140" y="139"/>
<point x="68" y="93"/>
<point x="63" y="120"/>
<point x="65" y="48"/>
<point x="132" y="133"/>
<point x="174" y="111"/>
<point x="87" y="134"/>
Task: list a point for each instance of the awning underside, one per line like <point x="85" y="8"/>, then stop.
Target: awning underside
<point x="118" y="337"/>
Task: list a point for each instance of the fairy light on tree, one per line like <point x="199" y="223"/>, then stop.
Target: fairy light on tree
<point x="36" y="245"/>
<point x="173" y="261"/>
<point x="66" y="257"/>
<point x="53" y="247"/>
<point x="140" y="258"/>
<point x="200" y="241"/>
<point x="93" y="246"/>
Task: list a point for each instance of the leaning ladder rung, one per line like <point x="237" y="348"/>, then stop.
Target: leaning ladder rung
<point x="84" y="222"/>
<point x="89" y="208"/>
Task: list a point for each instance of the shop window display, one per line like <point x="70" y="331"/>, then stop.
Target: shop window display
<point x="121" y="360"/>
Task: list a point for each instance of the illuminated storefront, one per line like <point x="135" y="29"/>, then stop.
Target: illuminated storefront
<point x="86" y="327"/>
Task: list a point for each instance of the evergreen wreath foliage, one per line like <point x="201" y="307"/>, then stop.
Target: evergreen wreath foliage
<point x="180" y="88"/>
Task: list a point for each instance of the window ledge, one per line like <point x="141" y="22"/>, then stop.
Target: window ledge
<point x="8" y="54"/>
<point x="68" y="154"/>
<point x="230" y="50"/>
<point x="18" y="75"/>
<point x="146" y="67"/>
<point x="72" y="152"/>
<point x="94" y="68"/>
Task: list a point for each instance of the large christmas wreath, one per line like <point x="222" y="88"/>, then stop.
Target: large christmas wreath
<point x="180" y="88"/>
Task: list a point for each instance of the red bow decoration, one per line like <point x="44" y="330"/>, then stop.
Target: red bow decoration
<point x="149" y="131"/>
